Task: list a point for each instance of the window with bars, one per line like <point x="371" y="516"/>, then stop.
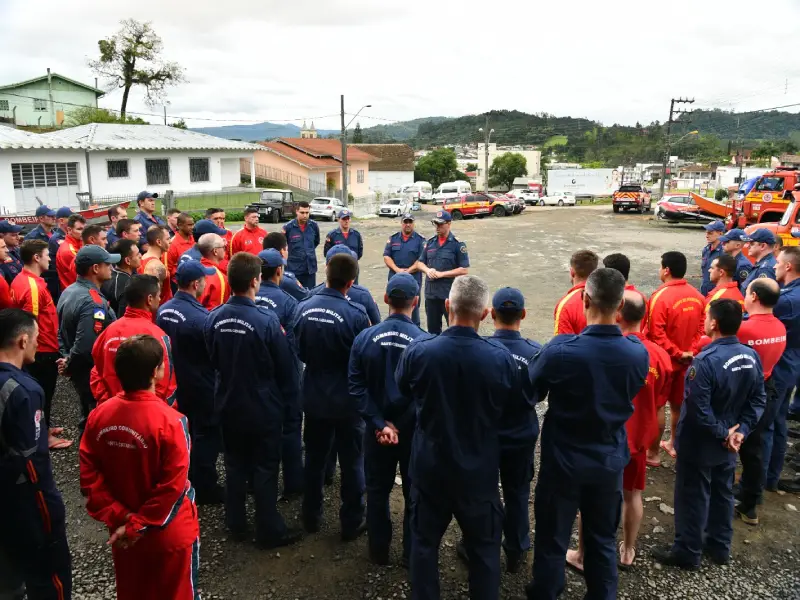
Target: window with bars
<point x="40" y="175"/>
<point x="40" y="105"/>
<point x="360" y="176"/>
<point x="3" y="104"/>
<point x="198" y="170"/>
<point x="157" y="171"/>
<point x="117" y="169"/>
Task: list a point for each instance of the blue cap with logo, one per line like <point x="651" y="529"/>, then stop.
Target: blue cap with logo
<point x="192" y="270"/>
<point x="45" y="211"/>
<point x="734" y="235"/>
<point x="95" y="255"/>
<point x="508" y="298"/>
<point x="441" y="217"/>
<point x="402" y="285"/>
<point x="339" y="249"/>
<point x="271" y="258"/>
<point x="407" y="217"/>
<point x="64" y="212"/>
<point x="144" y="195"/>
<point x="715" y="226"/>
<point x="204" y="226"/>
<point x="9" y="227"/>
<point x="763" y="236"/>
<point x="344" y="214"/>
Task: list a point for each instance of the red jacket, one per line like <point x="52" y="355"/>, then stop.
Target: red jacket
<point x="763" y="333"/>
<point x="228" y="237"/>
<point x="5" y="296"/>
<point x="217" y="289"/>
<point x="177" y="246"/>
<point x="676" y="317"/>
<point x="29" y="292"/>
<point x="642" y="426"/>
<point x="246" y="240"/>
<point x="104" y="382"/>
<point x="166" y="288"/>
<point x="726" y="290"/>
<point x="568" y="315"/>
<point x="134" y="458"/>
<point x="65" y="261"/>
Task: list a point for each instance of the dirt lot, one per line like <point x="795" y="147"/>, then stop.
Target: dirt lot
<point x="531" y="252"/>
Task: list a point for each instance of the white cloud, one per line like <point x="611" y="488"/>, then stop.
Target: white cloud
<point x="253" y="60"/>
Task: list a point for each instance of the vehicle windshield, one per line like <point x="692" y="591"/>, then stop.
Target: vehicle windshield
<point x="770" y="184"/>
<point x="272" y="196"/>
<point x="787" y="215"/>
<point x="396" y="201"/>
<point x="630" y="188"/>
<point x="320" y="201"/>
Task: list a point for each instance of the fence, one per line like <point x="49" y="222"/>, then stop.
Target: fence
<point x="266" y="173"/>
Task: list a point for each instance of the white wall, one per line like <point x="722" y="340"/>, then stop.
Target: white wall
<point x="51" y="196"/>
<point x="384" y="181"/>
<point x="533" y="159"/>
<point x="726" y="176"/>
<point x="231" y="175"/>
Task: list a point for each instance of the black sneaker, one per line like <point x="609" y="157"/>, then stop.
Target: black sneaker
<point x="349" y="536"/>
<point x="291" y="536"/>
<point x="747" y="514"/>
<point x="379" y="557"/>
<point x="514" y="562"/>
<point x="717" y="559"/>
<point x="461" y="552"/>
<point x="667" y="557"/>
<point x="790" y="486"/>
<point x="215" y="495"/>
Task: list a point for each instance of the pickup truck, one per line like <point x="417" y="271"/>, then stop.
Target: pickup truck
<point x="788" y="228"/>
<point x="275" y="205"/>
<point x="631" y="196"/>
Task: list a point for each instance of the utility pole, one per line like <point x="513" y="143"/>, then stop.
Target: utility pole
<point x="741" y="155"/>
<point x="344" y="157"/>
<point x="165" y="114"/>
<point x="487" y="134"/>
<point x="672" y="112"/>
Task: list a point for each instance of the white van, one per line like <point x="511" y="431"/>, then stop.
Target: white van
<point x="448" y="191"/>
<point x="420" y="191"/>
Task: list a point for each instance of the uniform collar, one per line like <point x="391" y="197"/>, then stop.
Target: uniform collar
<point x="86" y="283"/>
<point x="460" y="331"/>
<point x="269" y="284"/>
<point x="326" y="291"/>
<point x="507" y="334"/>
<point x="710" y="244"/>
<point x="674" y="282"/>
<point x="602" y="330"/>
<point x="726" y="286"/>
<point x="140" y="395"/>
<point x="724" y="341"/>
<point x="30" y="274"/>
<point x="138" y="313"/>
<point x="791" y="285"/>
<point x="399" y="317"/>
<point x="4" y="366"/>
<point x="186" y="297"/>
<point x="148" y="217"/>
<point x="631" y="287"/>
<point x="636" y="334"/>
<point x="204" y="261"/>
<point x="578" y="286"/>
<point x="241" y="301"/>
<point x="449" y="237"/>
<point x="762" y="262"/>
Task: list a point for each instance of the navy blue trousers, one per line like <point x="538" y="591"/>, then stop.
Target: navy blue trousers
<point x="206" y="446"/>
<point x="308" y="280"/>
<point x="516" y="474"/>
<point x="434" y="313"/>
<point x="292" y="450"/>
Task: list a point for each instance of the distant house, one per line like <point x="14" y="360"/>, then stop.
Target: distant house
<point x="396" y="166"/>
<point x="113" y="160"/>
<point x="44" y="101"/>
<point x="314" y="164"/>
<point x="790" y="160"/>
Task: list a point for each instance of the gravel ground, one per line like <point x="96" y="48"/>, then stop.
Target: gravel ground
<point x="530" y="251"/>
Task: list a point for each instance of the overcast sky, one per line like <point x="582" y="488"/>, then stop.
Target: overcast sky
<point x="278" y="60"/>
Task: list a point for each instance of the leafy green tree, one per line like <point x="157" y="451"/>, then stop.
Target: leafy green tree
<point x="132" y="56"/>
<point x="507" y="167"/>
<point x="358" y="135"/>
<point x="472" y="167"/>
<point x="89" y="114"/>
<point x="179" y="124"/>
<point x="437" y="167"/>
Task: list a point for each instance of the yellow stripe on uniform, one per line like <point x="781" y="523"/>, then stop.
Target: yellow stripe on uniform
<point x="561" y="306"/>
<point x="653" y="303"/>
<point x="34" y="296"/>
<point x="221" y="286"/>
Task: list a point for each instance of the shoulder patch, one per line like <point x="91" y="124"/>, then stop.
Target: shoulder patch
<point x="762" y="275"/>
<point x="99" y="314"/>
<point x="96" y="297"/>
<point x="463" y="248"/>
<point x="743" y="274"/>
<point x="691" y="373"/>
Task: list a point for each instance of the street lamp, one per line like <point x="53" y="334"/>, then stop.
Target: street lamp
<point x="487" y="137"/>
<point x="344" y="148"/>
<point x="666" y="160"/>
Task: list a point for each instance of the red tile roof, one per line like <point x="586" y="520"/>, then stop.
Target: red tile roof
<point x="316" y="153"/>
<point x="301" y="157"/>
<point x="393" y="157"/>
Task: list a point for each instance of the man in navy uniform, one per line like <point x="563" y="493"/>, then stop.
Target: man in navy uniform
<point x="732" y="243"/>
<point x="13" y="264"/>
<point x="302" y="236"/>
<point x="326" y="326"/>
<point x="242" y="337"/>
<point x="711" y="251"/>
<point x="591" y="380"/>
<point x="33" y="537"/>
<point x="183" y="319"/>
<point x="289" y="283"/>
<point x="389" y="416"/>
<point x="402" y="253"/>
<point x="357" y="293"/>
<point x="724" y="401"/>
<point x="463" y="387"/>
<point x="147" y="217"/>
<point x="345" y="235"/>
<point x="47" y="220"/>
<point x="762" y="243"/>
<point x="443" y="259"/>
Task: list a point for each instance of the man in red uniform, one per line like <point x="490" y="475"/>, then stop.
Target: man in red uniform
<point x="249" y="238"/>
<point x="134" y="473"/>
<point x="675" y="323"/>
<point x="622" y="263"/>
<point x="568" y="315"/>
<point x="142" y="295"/>
<point x="65" y="257"/>
<point x="158" y="242"/>
<point x="181" y="242"/>
<point x="212" y="250"/>
<point x="5" y="296"/>
<point x="722" y="273"/>
<point x="29" y="292"/>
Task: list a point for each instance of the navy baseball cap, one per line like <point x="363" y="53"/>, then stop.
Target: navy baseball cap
<point x="344" y="214"/>
<point x="95" y="255"/>
<point x="271" y="258"/>
<point x="407" y="217"/>
<point x="734" y="235"/>
<point x="45" y="211"/>
<point x="508" y="298"/>
<point x="441" y="217"/>
<point x="402" y="285"/>
<point x="191" y="270"/>
<point x="715" y="226"/>
<point x="145" y="194"/>
<point x="64" y="212"/>
<point x="338" y="249"/>
<point x="9" y="227"/>
<point x="204" y="226"/>
<point x="764" y="236"/>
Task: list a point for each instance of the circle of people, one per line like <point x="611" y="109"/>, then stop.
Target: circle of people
<point x="155" y="337"/>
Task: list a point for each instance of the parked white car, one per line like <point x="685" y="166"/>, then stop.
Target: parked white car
<point x="326" y="208"/>
<point x="394" y="207"/>
<point x="451" y="190"/>
<point x="527" y="196"/>
<point x="559" y="199"/>
<point x="421" y="191"/>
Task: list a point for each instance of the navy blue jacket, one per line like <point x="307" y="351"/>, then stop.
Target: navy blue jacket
<point x="763" y="268"/>
<point x="325" y="327"/>
<point x="183" y="319"/>
<point x="707" y="258"/>
<point x="38" y="233"/>
<point x="302" y="247"/>
<point x="591" y="380"/>
<point x="294" y="288"/>
<point x="361" y="296"/>
<point x="192" y="253"/>
<point x="146" y="223"/>
<point x="450" y="255"/>
<point x="373" y="361"/>
<point x="273" y="298"/>
<point x="787" y="310"/>
<point x="462" y="386"/>
<point x="743" y="268"/>
<point x="724" y="386"/>
<point x="257" y="372"/>
<point x="12" y="267"/>
<point x="520" y="429"/>
<point x="51" y="275"/>
<point x="404" y="252"/>
<point x="25" y="469"/>
<point x="111" y="236"/>
<point x="352" y="241"/>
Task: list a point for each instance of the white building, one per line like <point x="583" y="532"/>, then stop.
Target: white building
<point x="729" y="176"/>
<point x="394" y="168"/>
<point x="533" y="159"/>
<point x="113" y="160"/>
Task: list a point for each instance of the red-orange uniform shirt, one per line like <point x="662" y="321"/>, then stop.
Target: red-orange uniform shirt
<point x="177" y="246"/>
<point x="675" y="320"/>
<point x="29" y="292"/>
<point x="217" y="289"/>
<point x="727" y="290"/>
<point x="642" y="426"/>
<point x="568" y="314"/>
<point x="248" y="240"/>
<point x="65" y="261"/>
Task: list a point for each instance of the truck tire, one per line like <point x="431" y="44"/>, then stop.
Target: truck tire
<point x="616" y="208"/>
<point x="456" y="215"/>
<point x="499" y="211"/>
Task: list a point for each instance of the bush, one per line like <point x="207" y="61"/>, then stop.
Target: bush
<point x="721" y="194"/>
<point x="230" y="215"/>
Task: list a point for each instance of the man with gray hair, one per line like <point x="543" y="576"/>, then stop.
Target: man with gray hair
<point x="591" y="380"/>
<point x="455" y="457"/>
<point x="212" y="251"/>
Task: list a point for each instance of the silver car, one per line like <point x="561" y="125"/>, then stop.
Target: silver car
<point x="326" y="208"/>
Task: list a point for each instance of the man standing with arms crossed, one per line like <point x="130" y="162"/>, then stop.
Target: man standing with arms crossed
<point x="302" y="236"/>
<point x="568" y="314"/>
<point x="249" y="238"/>
<point x="402" y="253"/>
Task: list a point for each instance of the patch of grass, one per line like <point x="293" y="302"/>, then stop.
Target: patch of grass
<point x="556" y="140"/>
